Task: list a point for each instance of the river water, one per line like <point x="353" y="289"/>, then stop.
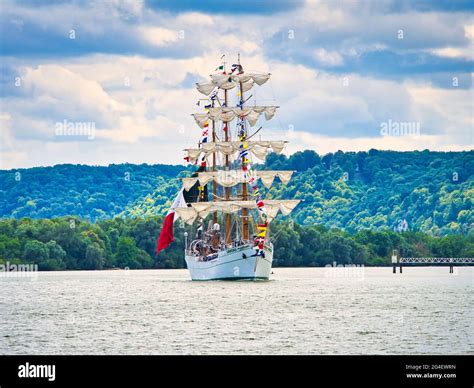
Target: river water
<point x="300" y="311"/>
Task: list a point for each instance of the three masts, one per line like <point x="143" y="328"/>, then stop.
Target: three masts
<point x="227" y="248"/>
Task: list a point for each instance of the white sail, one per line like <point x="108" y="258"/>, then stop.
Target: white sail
<point x="205" y="87"/>
<point x="259" y="149"/>
<point x="202" y="209"/>
<point x="201" y="119"/>
<point x="246" y="86"/>
<point x="224" y="114"/>
<point x="260" y="79"/>
<point x="234" y="177"/>
<point x="230" y="81"/>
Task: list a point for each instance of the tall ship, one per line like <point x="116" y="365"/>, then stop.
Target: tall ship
<point x="231" y="238"/>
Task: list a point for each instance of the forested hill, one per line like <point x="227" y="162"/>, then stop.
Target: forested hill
<point x="432" y="191"/>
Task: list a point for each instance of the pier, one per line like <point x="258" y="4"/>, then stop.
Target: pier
<point x="451" y="261"/>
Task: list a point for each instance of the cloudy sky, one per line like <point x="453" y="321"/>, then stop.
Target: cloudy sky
<point x="341" y="70"/>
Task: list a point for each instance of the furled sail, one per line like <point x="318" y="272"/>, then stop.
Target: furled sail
<point x="229" y="81"/>
<point x="234" y="177"/>
<point x="205" y="87"/>
<point x="192" y="193"/>
<point x="202" y="209"/>
<point x="251" y="114"/>
<point x="258" y="148"/>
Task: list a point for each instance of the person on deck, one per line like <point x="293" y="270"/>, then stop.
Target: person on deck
<point x="216" y="237"/>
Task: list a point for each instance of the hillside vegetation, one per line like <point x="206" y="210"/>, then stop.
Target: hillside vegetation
<point x="432" y="191"/>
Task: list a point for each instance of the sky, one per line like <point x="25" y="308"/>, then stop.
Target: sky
<point x="345" y="74"/>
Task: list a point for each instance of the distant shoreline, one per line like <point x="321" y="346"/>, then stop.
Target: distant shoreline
<point x="273" y="268"/>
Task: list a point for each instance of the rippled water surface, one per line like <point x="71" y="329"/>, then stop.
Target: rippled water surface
<point x="300" y="311"/>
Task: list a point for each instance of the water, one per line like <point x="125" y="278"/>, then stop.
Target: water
<point x="300" y="311"/>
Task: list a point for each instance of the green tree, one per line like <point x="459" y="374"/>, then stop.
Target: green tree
<point x="129" y="255"/>
<point x="36" y="252"/>
<point x="56" y="256"/>
<point x="94" y="258"/>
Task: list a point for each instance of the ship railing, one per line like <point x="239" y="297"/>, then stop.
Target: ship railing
<point x="198" y="246"/>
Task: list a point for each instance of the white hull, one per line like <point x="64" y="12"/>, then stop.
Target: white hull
<point x="234" y="264"/>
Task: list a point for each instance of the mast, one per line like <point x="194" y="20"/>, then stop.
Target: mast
<point x="245" y="212"/>
<point x="228" y="223"/>
<point x="214" y="184"/>
<point x="226" y="145"/>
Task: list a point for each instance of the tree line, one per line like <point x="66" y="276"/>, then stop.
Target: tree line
<point x="70" y="243"/>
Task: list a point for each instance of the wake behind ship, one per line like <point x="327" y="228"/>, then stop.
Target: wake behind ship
<point x="221" y="199"/>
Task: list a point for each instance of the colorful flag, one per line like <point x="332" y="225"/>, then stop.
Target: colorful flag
<point x="202" y="158"/>
<point x="213" y="94"/>
<point x="203" y="137"/>
<point x="235" y="67"/>
<point x="166" y="235"/>
<point x="262" y="230"/>
<point x="243" y="153"/>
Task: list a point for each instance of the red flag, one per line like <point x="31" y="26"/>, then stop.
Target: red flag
<point x="166" y="235"/>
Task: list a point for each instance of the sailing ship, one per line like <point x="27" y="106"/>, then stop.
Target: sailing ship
<point x="222" y="197"/>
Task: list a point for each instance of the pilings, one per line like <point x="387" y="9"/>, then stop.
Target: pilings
<point x="395" y="268"/>
<point x="395" y="261"/>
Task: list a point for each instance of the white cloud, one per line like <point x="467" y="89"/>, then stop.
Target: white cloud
<point x="158" y="36"/>
<point x="126" y="8"/>
<point x="466" y="52"/>
<point x="326" y="103"/>
<point x="323" y="15"/>
<point x="10" y="156"/>
<point x="469" y="32"/>
<point x="448" y="111"/>
<point x="133" y="128"/>
<point x="453" y="52"/>
<point x="195" y="18"/>
<point x="150" y="120"/>
<point x="233" y="43"/>
<point x="69" y="91"/>
<point x="142" y="105"/>
<point x="299" y="141"/>
<point x="330" y="58"/>
<point x="6" y="137"/>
